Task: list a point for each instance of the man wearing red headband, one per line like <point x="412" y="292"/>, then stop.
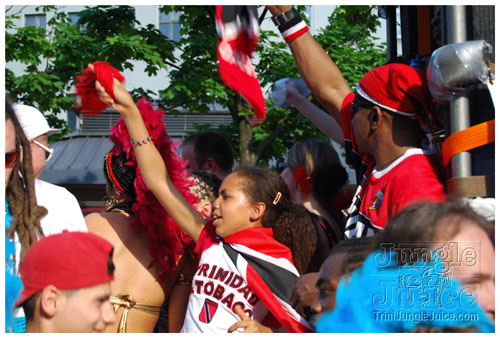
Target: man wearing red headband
<point x="66" y="279"/>
<point x="381" y="123"/>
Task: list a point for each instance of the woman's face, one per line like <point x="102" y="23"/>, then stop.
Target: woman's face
<point x="232" y="210"/>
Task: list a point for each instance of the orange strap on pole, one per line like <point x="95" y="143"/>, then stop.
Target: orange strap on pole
<point x="468" y="139"/>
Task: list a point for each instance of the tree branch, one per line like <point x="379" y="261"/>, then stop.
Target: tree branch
<point x="279" y="128"/>
<point x="233" y="108"/>
<point x="178" y="105"/>
<point x="15" y="14"/>
<point x="361" y="29"/>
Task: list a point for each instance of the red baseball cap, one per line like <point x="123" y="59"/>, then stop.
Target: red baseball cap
<point x="398" y="88"/>
<point x="69" y="261"/>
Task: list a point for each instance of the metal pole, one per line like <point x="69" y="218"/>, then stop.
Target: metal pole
<point x="456" y="28"/>
<point x="392" y="39"/>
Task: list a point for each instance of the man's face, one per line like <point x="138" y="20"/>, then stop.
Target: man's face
<point x="361" y="128"/>
<point x="473" y="264"/>
<point x="187" y="154"/>
<point x="39" y="155"/>
<point x="10" y="146"/>
<point x="87" y="310"/>
<point x="329" y="279"/>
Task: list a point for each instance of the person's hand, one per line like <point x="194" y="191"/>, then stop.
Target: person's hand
<point x="304" y="293"/>
<point x="247" y="324"/>
<point x="278" y="9"/>
<point x="292" y="92"/>
<point x="122" y="101"/>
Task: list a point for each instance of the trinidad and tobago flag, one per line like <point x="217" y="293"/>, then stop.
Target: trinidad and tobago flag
<point x="238" y="31"/>
<point x="268" y="269"/>
<point x="208" y="311"/>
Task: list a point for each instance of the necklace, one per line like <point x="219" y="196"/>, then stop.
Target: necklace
<point x="122" y="206"/>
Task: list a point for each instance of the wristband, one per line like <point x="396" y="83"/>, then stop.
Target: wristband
<point x="290" y="24"/>
<point x="295" y="31"/>
<point x="282" y="18"/>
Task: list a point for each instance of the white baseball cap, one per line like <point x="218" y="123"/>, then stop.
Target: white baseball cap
<point x="32" y="121"/>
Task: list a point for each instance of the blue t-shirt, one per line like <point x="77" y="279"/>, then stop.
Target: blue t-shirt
<point x="13" y="284"/>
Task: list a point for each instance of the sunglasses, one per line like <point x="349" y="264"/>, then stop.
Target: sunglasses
<point x="10" y="159"/>
<point x="49" y="151"/>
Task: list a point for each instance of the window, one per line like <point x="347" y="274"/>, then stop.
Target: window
<point x="73" y="18"/>
<point x="36" y="20"/>
<point x="170" y="26"/>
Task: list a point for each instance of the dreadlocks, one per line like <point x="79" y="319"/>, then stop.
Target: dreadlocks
<point x="20" y="191"/>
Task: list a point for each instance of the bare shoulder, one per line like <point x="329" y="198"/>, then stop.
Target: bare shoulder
<point x="104" y="223"/>
<point x="95" y="220"/>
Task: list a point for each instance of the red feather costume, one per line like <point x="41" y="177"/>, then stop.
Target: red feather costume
<point x="166" y="240"/>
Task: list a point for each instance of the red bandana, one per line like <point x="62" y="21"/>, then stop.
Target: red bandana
<point x="237" y="27"/>
<point x="396" y="87"/>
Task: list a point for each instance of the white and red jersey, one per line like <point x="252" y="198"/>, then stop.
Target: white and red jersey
<point x="216" y="288"/>
<point x="381" y="194"/>
<point x="248" y="268"/>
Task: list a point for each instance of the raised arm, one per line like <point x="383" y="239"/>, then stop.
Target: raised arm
<point x="320" y="73"/>
<point x="153" y="169"/>
<point x="320" y="118"/>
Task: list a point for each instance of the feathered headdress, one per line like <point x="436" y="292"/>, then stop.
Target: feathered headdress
<point x="166" y="240"/>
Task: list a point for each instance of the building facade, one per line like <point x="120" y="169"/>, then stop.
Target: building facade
<point x="78" y="159"/>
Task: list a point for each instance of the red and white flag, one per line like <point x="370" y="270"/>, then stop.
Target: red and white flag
<point x="267" y="267"/>
<point x="238" y="31"/>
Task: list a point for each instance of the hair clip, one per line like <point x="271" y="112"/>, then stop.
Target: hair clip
<point x="277" y="198"/>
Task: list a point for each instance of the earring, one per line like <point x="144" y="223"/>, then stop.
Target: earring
<point x="110" y="201"/>
<point x="252" y="218"/>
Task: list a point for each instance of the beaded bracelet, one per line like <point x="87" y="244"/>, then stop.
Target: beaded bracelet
<point x="140" y="143"/>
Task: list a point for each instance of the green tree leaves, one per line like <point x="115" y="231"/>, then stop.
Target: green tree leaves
<point x="54" y="56"/>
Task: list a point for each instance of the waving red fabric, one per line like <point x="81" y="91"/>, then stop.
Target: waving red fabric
<point x="238" y="31"/>
<point x="85" y="86"/>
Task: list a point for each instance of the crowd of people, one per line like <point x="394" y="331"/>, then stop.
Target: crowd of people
<point x="195" y="244"/>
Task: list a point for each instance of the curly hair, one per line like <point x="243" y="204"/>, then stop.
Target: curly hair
<point x="299" y="234"/>
<point x="20" y="191"/>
